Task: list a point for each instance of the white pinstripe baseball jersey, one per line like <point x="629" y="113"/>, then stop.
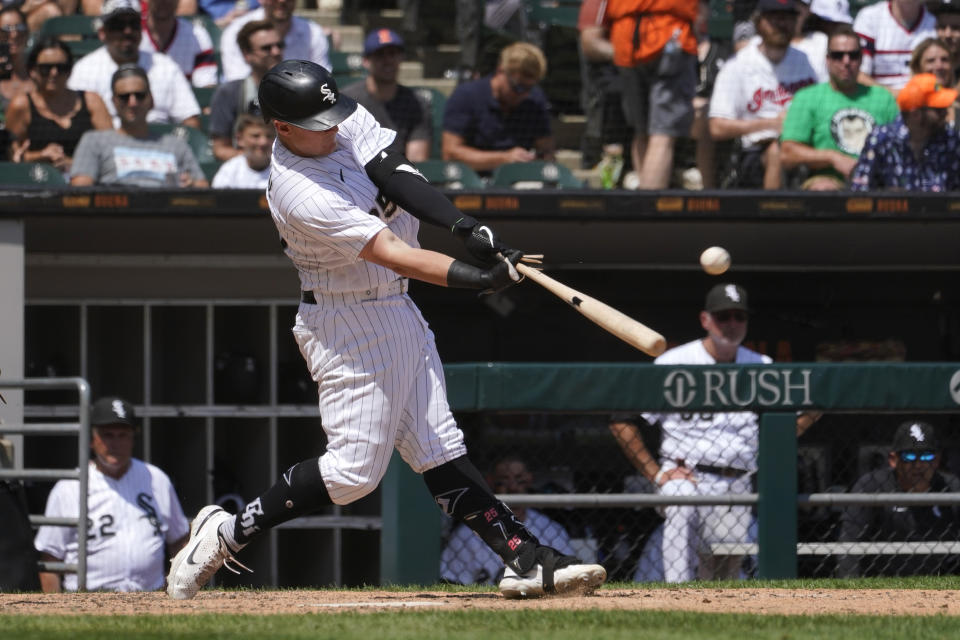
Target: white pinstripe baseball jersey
<point x="130" y="522"/>
<point x="191" y="48"/>
<point x="379" y="378"/>
<point x="173" y="99"/>
<point x="305" y="41"/>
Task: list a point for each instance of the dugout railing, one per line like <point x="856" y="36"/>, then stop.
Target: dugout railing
<point x="81" y="429"/>
<point x="776" y="392"/>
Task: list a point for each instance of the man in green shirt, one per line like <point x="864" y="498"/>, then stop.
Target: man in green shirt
<point x="827" y="124"/>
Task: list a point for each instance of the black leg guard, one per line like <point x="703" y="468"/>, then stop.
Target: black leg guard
<point x="461" y="492"/>
<point x="299" y="491"/>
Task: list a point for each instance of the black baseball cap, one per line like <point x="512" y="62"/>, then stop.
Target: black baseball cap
<point x="726" y="296"/>
<point x="764" y="6"/>
<point x="915" y="435"/>
<point x="304" y="94"/>
<point x="936" y="7"/>
<point x="112" y="410"/>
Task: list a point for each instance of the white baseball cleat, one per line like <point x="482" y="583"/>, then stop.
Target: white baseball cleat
<point x="552" y="574"/>
<point x="204" y="553"/>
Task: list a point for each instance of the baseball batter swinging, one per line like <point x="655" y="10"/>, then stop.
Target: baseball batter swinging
<point x="348" y="213"/>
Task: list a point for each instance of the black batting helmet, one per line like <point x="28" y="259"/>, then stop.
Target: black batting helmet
<point x="304" y="94"/>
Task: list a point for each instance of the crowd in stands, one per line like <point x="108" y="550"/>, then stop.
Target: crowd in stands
<point x="790" y="94"/>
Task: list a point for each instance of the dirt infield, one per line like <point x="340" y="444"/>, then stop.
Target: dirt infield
<point x="759" y="601"/>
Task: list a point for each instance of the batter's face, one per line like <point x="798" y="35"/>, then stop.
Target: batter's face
<point x="915" y="476"/>
<point x="121" y="34"/>
<point x="307" y="144"/>
<point x="727" y="328"/>
<point x="112" y="446"/>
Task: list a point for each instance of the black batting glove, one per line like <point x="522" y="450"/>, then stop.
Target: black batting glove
<point x="490" y="280"/>
<point x="484" y="245"/>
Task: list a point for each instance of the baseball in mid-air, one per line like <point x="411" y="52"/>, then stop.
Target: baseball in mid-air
<point x="715" y="260"/>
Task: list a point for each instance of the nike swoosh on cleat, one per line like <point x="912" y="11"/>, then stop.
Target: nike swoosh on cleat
<point x="194" y="550"/>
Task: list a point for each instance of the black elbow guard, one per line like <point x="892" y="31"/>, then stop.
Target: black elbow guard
<point x="400" y="182"/>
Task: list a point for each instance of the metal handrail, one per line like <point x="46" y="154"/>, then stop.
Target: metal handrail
<point x="82" y="429"/>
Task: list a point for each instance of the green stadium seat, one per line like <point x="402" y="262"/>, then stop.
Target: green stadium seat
<point x="537" y="174"/>
<point x="347" y="67"/>
<point x="437" y="101"/>
<point x="78" y="32"/>
<point x="28" y="173"/>
<point x="552" y="13"/>
<point x="450" y="175"/>
<point x="197" y="140"/>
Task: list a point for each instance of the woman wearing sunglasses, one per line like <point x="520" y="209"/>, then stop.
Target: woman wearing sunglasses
<point x="50" y="118"/>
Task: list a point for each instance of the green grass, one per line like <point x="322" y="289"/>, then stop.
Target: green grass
<point x="483" y="625"/>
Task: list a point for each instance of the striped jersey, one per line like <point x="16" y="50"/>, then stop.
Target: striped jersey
<point x="130" y="521"/>
<point x="887" y="45"/>
<point x="191" y="48"/>
<point x="327" y="209"/>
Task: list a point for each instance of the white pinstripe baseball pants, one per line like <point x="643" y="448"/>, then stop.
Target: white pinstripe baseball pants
<point x="381" y="387"/>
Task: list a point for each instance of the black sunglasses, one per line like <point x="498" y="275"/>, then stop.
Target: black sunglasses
<point x="125" y="97"/>
<point x="838" y="55"/>
<point x="729" y="314"/>
<point x="14" y="28"/>
<point x="44" y="68"/>
<point x="267" y="48"/>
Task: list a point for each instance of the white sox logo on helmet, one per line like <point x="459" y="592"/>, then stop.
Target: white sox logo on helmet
<point x="328" y="94"/>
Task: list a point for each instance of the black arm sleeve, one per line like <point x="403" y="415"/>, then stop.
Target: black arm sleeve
<point x="401" y="183"/>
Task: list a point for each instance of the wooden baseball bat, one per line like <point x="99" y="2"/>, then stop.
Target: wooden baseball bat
<point x="616" y="322"/>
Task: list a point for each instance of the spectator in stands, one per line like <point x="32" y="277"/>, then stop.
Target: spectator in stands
<point x="251" y="169"/>
<point x="947" y="13"/>
<point x="818" y="19"/>
<point x="262" y="48"/>
<point x="917" y="151"/>
<point x="933" y="56"/>
<point x="304" y="39"/>
<point x="754" y="89"/>
<point x="14" y="76"/>
<point x="655" y="51"/>
<point x="467" y="560"/>
<point x="120" y="31"/>
<point x="131" y="154"/>
<point x="503" y="117"/>
<point x="37" y="12"/>
<point x="137" y="521"/>
<point x="393" y="105"/>
<point x="703" y="453"/>
<point x="606" y="133"/>
<point x="51" y="118"/>
<point x="888" y="32"/>
<point x="828" y="123"/>
<point x="187" y="42"/>
<point x="224" y="12"/>
<point x="913" y="466"/>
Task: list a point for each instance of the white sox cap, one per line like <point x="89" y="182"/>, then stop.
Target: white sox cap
<point x="112" y="410"/>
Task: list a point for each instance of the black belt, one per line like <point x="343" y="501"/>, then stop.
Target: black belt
<point x="726" y="472"/>
<point x="308" y="297"/>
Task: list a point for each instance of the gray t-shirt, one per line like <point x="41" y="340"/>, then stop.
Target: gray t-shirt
<point x="112" y="157"/>
<point x="406" y="114"/>
<point x="229" y="101"/>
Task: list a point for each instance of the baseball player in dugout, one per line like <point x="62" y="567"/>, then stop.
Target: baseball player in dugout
<point x="348" y="213"/>
<point x="134" y="522"/>
<point x="703" y="453"/>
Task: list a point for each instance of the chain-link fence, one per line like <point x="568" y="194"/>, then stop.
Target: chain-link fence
<point x="840" y="453"/>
